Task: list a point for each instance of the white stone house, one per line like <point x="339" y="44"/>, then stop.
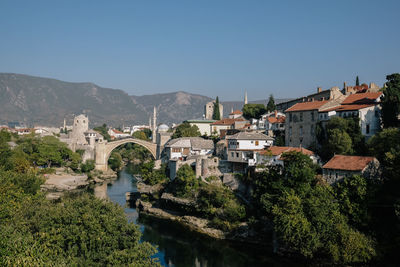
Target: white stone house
<point x="227" y="124"/>
<point x="340" y="166"/>
<point x="243" y="146"/>
<point x="116" y="134"/>
<point x="181" y="148"/>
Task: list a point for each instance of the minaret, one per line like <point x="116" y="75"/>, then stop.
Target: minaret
<point x="154" y="125"/>
<point x="245" y="97"/>
<point x="65" y="124"/>
<point x="150" y="123"/>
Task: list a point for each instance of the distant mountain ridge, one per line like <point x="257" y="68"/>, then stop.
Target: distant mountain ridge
<point x="45" y="101"/>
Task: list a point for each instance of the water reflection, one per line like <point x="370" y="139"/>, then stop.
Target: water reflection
<point x="181" y="247"/>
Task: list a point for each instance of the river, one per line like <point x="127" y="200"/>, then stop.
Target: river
<point x="178" y="246"/>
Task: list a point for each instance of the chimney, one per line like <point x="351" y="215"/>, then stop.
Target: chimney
<point x="323" y="98"/>
<point x="319" y="90"/>
<point x="276" y="113"/>
<point x="312" y="99"/>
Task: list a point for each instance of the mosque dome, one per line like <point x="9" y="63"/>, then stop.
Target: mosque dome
<point x="163" y="128"/>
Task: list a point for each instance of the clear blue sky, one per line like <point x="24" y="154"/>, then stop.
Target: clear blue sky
<point x="286" y="48"/>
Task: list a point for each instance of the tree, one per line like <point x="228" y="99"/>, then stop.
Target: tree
<point x="253" y="110"/>
<point x="357" y="81"/>
<point x="115" y="161"/>
<point x="391" y="101"/>
<point x="216" y="114"/>
<point x="186" y="130"/>
<point x="307" y="218"/>
<point x="141" y="135"/>
<point x="271" y="103"/>
<point x="88" y="166"/>
<point x="339" y="142"/>
<point x="185" y="182"/>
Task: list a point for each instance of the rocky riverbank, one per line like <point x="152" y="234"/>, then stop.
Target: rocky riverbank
<point x="165" y="206"/>
<point x="65" y="180"/>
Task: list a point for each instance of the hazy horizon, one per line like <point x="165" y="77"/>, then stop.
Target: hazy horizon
<point x="223" y="48"/>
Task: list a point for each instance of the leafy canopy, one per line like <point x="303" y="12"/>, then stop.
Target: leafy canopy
<point x="186" y="130"/>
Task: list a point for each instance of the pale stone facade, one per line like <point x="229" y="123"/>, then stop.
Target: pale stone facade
<point x="209" y="110"/>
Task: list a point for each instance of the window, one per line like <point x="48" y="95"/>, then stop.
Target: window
<point x="290" y="117"/>
<point x="367" y="130"/>
<point x="301" y="130"/>
<point x="83" y="121"/>
<point x="312" y="115"/>
<point x="176" y="150"/>
<point x="232" y="154"/>
<point x="290" y="131"/>
<point x="252" y="142"/>
<point x="301" y="116"/>
<point x="257" y="143"/>
<point x="237" y="154"/>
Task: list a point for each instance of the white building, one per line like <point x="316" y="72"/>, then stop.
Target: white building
<point x="181" y="148"/>
<point x="243" y="146"/>
<point x="116" y="134"/>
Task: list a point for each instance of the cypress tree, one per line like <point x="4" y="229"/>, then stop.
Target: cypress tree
<point x="271" y="103"/>
<point x="216" y="113"/>
<point x="357" y="81"/>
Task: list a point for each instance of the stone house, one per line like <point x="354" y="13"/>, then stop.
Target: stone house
<point x="116" y="134"/>
<point x="340" y="166"/>
<point x="242" y="148"/>
<point x="301" y="121"/>
<point x="235" y="114"/>
<point x="365" y="106"/>
<point x="227" y="124"/>
<point x="184" y="147"/>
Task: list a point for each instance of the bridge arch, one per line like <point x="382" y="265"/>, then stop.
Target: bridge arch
<point x="104" y="150"/>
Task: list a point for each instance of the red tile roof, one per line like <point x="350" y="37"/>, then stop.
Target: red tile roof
<point x="236" y="112"/>
<point x="226" y="121"/>
<point x="278" y="150"/>
<point x="362" y="98"/>
<point x="353" y="107"/>
<point x="348" y="163"/>
<point x="307" y="106"/>
<point x="117" y="132"/>
<point x="280" y="119"/>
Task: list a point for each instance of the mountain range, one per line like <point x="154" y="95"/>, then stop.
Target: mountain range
<point x="44" y="101"/>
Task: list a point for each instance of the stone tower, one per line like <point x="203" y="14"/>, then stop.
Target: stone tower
<point x="153" y="132"/>
<point x="80" y="126"/>
<point x="245" y="97"/>
<point x="209" y="110"/>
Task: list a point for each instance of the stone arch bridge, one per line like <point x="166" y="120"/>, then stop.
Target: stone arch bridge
<point x="103" y="150"/>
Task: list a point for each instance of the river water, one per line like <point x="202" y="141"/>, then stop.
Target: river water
<point x="178" y="246"/>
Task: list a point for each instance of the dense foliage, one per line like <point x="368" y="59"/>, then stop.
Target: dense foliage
<point x="78" y="231"/>
<point x="340" y="136"/>
<point x="307" y="218"/>
<point x="186" y="130"/>
<point x="151" y="176"/>
<point x="253" y="110"/>
<point x="391" y="101"/>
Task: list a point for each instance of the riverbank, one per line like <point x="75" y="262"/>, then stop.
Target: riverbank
<point x="154" y="202"/>
<point x="65" y="180"/>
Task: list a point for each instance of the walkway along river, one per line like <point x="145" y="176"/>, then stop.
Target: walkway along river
<point x="178" y="246"/>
